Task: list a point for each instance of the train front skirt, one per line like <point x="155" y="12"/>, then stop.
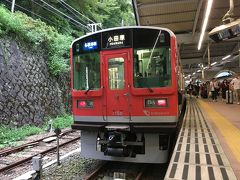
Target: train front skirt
<point x="153" y="149"/>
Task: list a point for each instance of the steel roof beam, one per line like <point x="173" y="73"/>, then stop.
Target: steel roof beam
<point x="173" y="22"/>
<point x="177" y="2"/>
<point x="197" y="17"/>
<point x="135" y="9"/>
<point x="170" y="13"/>
<point x="236" y="48"/>
<point x="177" y="12"/>
<point x="187" y="38"/>
<point x="206" y="50"/>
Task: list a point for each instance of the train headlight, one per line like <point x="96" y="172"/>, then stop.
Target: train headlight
<point x="162" y="102"/>
<point x="156" y="102"/>
<point x="84" y="104"/>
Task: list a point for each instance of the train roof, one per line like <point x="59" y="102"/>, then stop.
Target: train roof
<point x="125" y="27"/>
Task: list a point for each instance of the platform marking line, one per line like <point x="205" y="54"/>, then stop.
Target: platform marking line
<point x="230" y="133"/>
<point x="181" y="171"/>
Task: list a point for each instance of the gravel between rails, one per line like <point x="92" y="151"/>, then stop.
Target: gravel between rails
<point x="74" y="167"/>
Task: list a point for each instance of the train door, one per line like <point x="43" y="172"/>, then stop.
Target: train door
<point x="116" y="85"/>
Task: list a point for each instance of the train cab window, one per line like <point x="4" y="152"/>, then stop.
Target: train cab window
<point x="86" y="71"/>
<point x="152" y="65"/>
<point x="116" y="73"/>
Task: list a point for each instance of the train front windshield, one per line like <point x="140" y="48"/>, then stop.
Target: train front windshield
<point x="152" y="66"/>
<point x="151" y="58"/>
<point x="86" y="71"/>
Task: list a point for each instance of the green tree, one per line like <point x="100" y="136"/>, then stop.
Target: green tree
<point x="111" y="13"/>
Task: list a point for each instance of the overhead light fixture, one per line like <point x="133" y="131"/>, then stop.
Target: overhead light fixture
<point x="226" y="57"/>
<point x="204" y="26"/>
<point x="213" y="63"/>
<point x="225" y="31"/>
<point x="199" y="70"/>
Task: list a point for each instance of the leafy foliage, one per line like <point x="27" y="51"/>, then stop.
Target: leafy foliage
<point x="114" y="13"/>
<point x="38" y="33"/>
<point x="63" y="121"/>
<point x="110" y="13"/>
<point x="9" y="135"/>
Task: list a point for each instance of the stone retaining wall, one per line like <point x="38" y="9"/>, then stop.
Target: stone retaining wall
<point x="28" y="92"/>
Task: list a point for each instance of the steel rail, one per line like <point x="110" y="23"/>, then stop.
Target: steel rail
<point x="140" y="174"/>
<point x="32" y="143"/>
<point x="95" y="173"/>
<point x="30" y="157"/>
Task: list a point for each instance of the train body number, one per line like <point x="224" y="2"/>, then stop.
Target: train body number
<point x="117" y="113"/>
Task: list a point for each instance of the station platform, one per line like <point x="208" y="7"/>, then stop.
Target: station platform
<point x="208" y="145"/>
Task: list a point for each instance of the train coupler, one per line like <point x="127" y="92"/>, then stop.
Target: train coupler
<point x="120" y="144"/>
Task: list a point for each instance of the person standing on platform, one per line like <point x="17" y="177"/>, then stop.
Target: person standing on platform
<point x="197" y="88"/>
<point x="190" y="88"/>
<point x="208" y="89"/>
<point x="236" y="87"/>
<point x="224" y="88"/>
<point x="213" y="88"/>
<point x="204" y="91"/>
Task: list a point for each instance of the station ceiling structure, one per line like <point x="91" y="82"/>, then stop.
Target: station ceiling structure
<point x="185" y="19"/>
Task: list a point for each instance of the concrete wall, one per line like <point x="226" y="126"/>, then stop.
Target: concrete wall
<point x="28" y="92"/>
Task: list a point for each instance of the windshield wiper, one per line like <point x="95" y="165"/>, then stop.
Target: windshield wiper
<point x="150" y="89"/>
<point x="150" y="58"/>
<point x="89" y="88"/>
<point x="144" y="84"/>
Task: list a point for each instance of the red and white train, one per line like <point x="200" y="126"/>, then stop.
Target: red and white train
<point x="126" y="93"/>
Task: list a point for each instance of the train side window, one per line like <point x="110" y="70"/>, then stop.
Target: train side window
<point x="86" y="71"/>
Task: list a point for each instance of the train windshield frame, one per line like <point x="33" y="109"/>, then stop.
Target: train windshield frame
<point x="151" y="67"/>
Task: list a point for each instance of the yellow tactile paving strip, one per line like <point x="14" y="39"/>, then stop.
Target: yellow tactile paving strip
<point x="198" y="153"/>
<point x="230" y="133"/>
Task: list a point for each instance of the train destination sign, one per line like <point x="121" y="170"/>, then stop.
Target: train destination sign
<point x="115" y="39"/>
<point x="90" y="45"/>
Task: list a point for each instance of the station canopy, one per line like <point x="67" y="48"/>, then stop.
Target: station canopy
<point x="185" y="19"/>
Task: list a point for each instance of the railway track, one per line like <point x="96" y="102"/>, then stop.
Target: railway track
<point x="11" y="158"/>
<point x="119" y="170"/>
<point x="32" y="143"/>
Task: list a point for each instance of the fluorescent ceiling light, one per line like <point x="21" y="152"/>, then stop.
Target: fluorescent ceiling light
<point x="199" y="70"/>
<point x="213" y="63"/>
<point x="194" y="73"/>
<point x="204" y="26"/>
<point x="228" y="56"/>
